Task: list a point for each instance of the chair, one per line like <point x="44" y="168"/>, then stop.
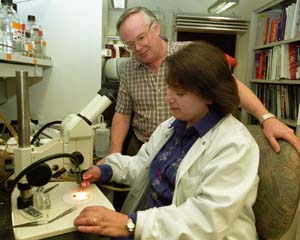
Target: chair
<point x="279" y="187"/>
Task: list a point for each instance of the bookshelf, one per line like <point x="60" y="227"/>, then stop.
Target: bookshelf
<point x="274" y="59"/>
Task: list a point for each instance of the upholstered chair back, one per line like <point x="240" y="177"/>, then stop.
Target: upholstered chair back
<point x="278" y="191"/>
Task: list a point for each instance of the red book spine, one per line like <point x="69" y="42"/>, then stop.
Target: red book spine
<point x="274" y="30"/>
<point x="292" y="60"/>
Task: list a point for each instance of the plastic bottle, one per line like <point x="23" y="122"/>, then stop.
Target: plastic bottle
<point x="12" y="29"/>
<point x="35" y="34"/>
<point x="102" y="139"/>
<point x="31" y="39"/>
<point x="28" y="46"/>
<point x="19" y="31"/>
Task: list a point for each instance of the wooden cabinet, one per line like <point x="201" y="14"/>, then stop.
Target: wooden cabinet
<point x="274" y="58"/>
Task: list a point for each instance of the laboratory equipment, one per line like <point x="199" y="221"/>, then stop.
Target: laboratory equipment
<point x="35" y="44"/>
<point x="102" y="139"/>
<point x="74" y="147"/>
<point x="112" y="72"/>
<point x="76" y="132"/>
<point x="68" y="200"/>
<point x="12" y="29"/>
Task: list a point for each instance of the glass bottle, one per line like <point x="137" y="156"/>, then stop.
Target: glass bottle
<point x="28" y="46"/>
<point x="36" y="35"/>
<point x="19" y="31"/>
<point x="12" y="29"/>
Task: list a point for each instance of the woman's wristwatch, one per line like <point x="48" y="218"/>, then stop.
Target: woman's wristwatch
<point x="130" y="226"/>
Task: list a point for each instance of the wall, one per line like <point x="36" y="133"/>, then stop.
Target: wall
<point x="73" y="33"/>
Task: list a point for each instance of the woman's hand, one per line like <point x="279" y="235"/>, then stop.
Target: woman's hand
<point x="91" y="175"/>
<point x="102" y="221"/>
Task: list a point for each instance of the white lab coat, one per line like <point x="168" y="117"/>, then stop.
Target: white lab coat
<point x="216" y="185"/>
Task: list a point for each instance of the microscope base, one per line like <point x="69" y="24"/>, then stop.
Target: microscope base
<point x="62" y="198"/>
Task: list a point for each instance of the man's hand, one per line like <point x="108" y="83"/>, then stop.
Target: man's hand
<point x="274" y="129"/>
<point x="91" y="175"/>
<point x="102" y="221"/>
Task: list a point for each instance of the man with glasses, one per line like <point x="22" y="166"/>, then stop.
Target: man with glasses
<point x="142" y="91"/>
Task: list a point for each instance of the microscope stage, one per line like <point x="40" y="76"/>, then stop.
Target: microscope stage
<point x="63" y="197"/>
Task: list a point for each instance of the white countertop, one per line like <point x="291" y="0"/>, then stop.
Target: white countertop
<point x="61" y="200"/>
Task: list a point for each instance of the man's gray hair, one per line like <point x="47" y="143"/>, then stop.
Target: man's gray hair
<point x="148" y="15"/>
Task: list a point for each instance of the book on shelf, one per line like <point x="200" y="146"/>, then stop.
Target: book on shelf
<point x="278" y="24"/>
<point x="260" y="64"/>
<point x="292" y="102"/>
<point x="279" y="62"/>
<point x="274" y="69"/>
<point x="268" y="23"/>
<point x="281" y="25"/>
<point x="280" y="99"/>
<point x="269" y="64"/>
<point x="284" y="70"/>
<point x="290" y="12"/>
<point x="286" y="102"/>
<point x="292" y="60"/>
<point x="274" y="30"/>
<point x="295" y="31"/>
<point x="297" y="61"/>
<point x="261" y="21"/>
<point x="257" y="64"/>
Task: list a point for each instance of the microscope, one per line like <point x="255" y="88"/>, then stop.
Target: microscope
<point x="76" y="136"/>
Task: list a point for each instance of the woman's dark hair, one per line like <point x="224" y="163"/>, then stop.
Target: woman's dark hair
<point x="202" y="68"/>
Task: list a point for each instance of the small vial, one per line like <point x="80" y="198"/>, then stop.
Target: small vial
<point x="42" y="201"/>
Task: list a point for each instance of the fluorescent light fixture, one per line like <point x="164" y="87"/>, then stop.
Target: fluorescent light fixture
<point x="119" y="3"/>
<point x="222" y="5"/>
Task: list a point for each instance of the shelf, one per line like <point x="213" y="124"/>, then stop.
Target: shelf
<point x="280" y="96"/>
<point x="10" y="63"/>
<point x="269" y="45"/>
<point x="280" y="81"/>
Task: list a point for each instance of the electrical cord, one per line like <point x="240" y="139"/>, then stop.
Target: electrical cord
<point x="76" y="158"/>
<point x="36" y="135"/>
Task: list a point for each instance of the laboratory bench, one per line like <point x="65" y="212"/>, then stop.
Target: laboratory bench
<point x="7" y="233"/>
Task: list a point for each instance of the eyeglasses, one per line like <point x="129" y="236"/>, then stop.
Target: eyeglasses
<point x="141" y="40"/>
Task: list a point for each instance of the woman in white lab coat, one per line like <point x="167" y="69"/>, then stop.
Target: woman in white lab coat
<point x="196" y="178"/>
